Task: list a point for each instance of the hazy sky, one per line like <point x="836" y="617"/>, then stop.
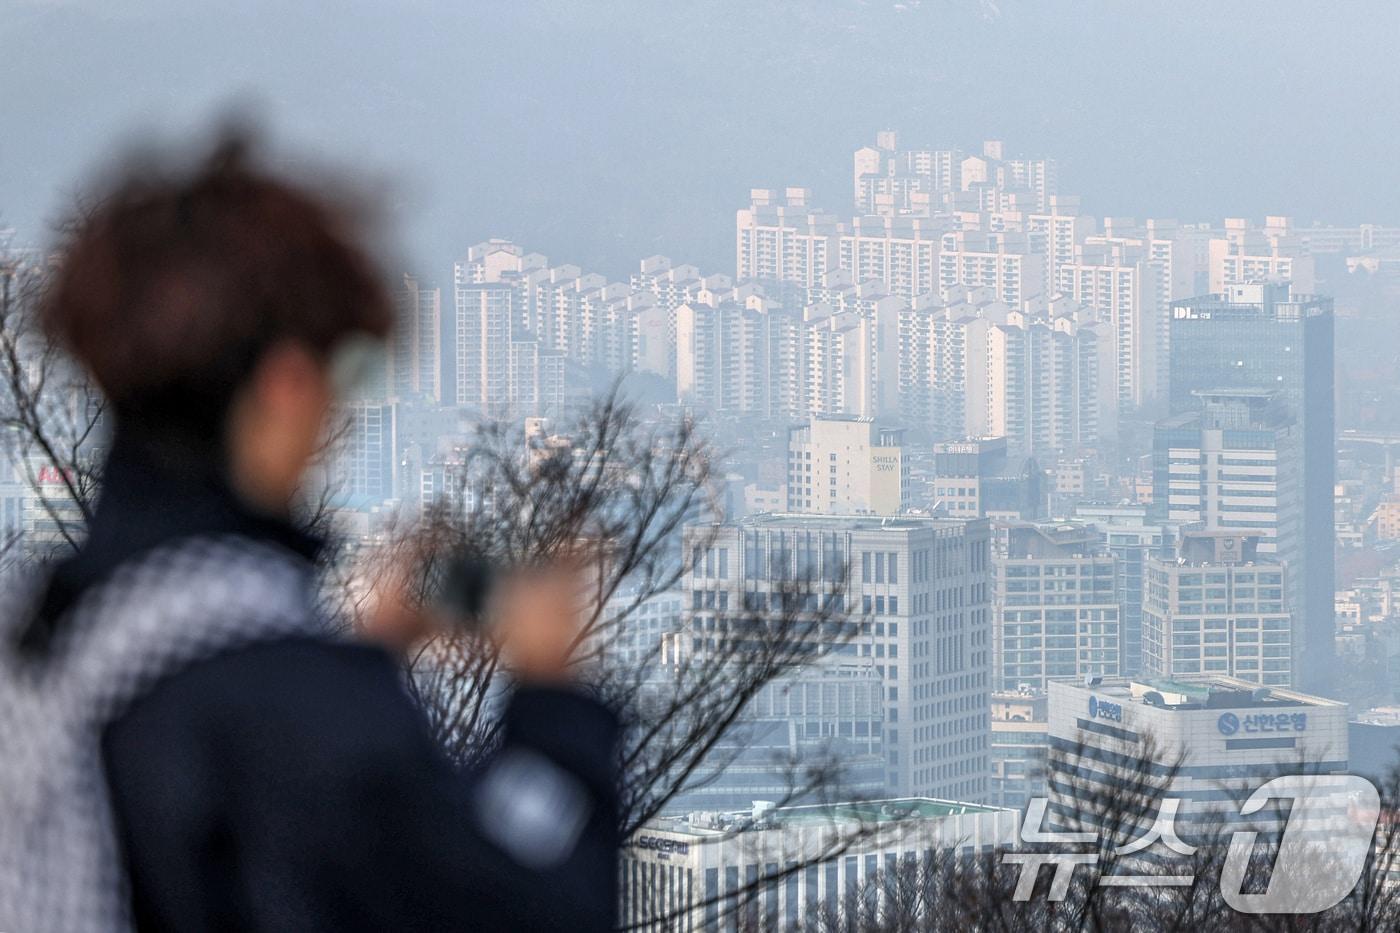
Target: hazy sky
<point x="601" y="132"/>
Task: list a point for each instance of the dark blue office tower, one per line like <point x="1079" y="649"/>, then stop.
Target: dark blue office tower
<point x="1260" y="336"/>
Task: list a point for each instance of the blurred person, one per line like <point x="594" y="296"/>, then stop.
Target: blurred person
<point x="183" y="746"/>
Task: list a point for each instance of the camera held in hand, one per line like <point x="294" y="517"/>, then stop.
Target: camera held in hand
<point x="465" y="582"/>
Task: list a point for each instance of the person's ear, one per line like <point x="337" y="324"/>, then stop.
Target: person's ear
<point x="276" y="424"/>
<point x="288" y="379"/>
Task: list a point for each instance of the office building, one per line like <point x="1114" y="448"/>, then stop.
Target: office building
<point x="52" y="521"/>
<point x="827" y="716"/>
<point x="973" y="478"/>
<point x="845" y="466"/>
<point x="14" y="491"/>
<point x="1125" y="532"/>
<point x="1217" y="609"/>
<point x="916" y="599"/>
<point x="687" y="873"/>
<point x="1054" y="611"/>
<point x="367" y="456"/>
<point x="1373" y="743"/>
<point x="1261" y="336"/>
<point x="1209" y="741"/>
<point x="1020" y="741"/>
<point x="635" y="625"/>
<point x="962" y="471"/>
<point x="1235" y="465"/>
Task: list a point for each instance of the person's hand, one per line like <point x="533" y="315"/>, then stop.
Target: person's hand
<point x="536" y="620"/>
<point x="393" y="617"/>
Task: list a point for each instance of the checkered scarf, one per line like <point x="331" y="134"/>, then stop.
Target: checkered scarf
<point x="60" y="868"/>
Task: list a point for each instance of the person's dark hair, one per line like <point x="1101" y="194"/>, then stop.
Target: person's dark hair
<point x="175" y="282"/>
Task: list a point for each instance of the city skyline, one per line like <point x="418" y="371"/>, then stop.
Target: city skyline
<point x="448" y="184"/>
<point x="972" y="418"/>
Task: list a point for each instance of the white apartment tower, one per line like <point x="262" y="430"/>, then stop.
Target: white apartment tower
<point x="1002" y="262"/>
<point x="499" y="362"/>
<point x="1118" y="281"/>
<point x="1246" y="253"/>
<point x="783" y="239"/>
<point x="894" y="182"/>
<point x="1042" y="386"/>
<point x="415" y="347"/>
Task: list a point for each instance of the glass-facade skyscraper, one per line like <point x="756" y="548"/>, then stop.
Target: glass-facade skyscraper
<point x="1259" y="336"/>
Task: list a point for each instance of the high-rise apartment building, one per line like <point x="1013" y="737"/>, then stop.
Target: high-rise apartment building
<point x="845" y="465"/>
<point x="1119" y="283"/>
<point x="1246" y="253"/>
<point x="966" y="365"/>
<point x="671" y="286"/>
<point x="902" y="253"/>
<point x="1262" y="336"/>
<point x="784" y="239"/>
<point x="740" y="356"/>
<point x="1002" y="262"/>
<point x="942" y="367"/>
<point x="1043" y="384"/>
<point x="916" y="594"/>
<point x="898" y="182"/>
<point x="1217" y="609"/>
<point x="415" y="348"/>
<point x="838" y="374"/>
<point x="1055" y="612"/>
<point x="499" y="362"/>
<point x="519" y="325"/>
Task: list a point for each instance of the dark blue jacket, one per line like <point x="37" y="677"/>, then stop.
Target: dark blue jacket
<point x="293" y="785"/>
